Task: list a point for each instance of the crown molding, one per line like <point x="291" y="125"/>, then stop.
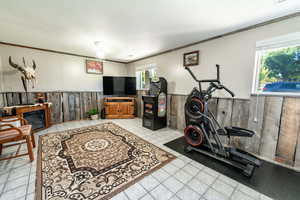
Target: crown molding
<point x="58" y="52"/>
<point x="278" y="19"/>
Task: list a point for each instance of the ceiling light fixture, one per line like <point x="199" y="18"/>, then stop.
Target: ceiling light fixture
<point x="100" y="54"/>
<point x="99" y="50"/>
<point x="98" y="44"/>
<point x="279" y="1"/>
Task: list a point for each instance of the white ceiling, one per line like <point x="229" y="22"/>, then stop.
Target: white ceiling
<point x="129" y="27"/>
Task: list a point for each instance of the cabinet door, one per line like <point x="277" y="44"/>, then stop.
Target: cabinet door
<point x="131" y="109"/>
<point x="123" y="109"/>
<point x="112" y="109"/>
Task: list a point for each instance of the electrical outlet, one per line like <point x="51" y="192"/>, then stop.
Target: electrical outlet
<point x="255" y="120"/>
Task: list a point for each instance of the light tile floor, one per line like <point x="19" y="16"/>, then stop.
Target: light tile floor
<point x="182" y="179"/>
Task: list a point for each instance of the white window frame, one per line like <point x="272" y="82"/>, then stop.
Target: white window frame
<point x="289" y="40"/>
<point x="141" y="69"/>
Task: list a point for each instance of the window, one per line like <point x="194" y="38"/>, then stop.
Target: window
<point x="278" y="65"/>
<point x="144" y="75"/>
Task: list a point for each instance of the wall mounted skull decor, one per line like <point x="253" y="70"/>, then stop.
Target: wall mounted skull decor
<point x="28" y="73"/>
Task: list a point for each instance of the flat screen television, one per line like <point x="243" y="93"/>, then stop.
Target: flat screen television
<point x="119" y="85"/>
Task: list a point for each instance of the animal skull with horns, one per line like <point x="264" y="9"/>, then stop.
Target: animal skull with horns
<point x="28" y="73"/>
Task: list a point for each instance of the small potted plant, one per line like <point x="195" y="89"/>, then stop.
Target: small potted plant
<point x="93" y="114"/>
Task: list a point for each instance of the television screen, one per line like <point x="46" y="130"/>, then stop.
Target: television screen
<point x="117" y="85"/>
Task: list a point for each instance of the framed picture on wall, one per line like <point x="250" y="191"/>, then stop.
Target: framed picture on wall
<point x="94" y="67"/>
<point x="191" y="58"/>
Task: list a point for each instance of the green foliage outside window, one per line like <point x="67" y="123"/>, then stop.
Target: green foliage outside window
<point x="145" y="77"/>
<point x="282" y="65"/>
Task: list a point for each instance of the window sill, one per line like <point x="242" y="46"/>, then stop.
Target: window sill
<point x="144" y="89"/>
<point x="276" y="94"/>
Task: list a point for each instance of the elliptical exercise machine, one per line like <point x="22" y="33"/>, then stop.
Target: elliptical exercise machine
<point x="202" y="129"/>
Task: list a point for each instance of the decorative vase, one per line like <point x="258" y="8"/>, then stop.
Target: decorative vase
<point x="94" y="117"/>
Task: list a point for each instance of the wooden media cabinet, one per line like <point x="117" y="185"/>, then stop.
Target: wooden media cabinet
<point x="119" y="107"/>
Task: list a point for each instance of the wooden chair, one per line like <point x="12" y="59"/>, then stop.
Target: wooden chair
<point x="9" y="132"/>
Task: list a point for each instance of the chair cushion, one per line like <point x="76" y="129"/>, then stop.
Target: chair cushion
<point x="4" y="135"/>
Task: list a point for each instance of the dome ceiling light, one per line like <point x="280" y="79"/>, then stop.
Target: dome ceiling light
<point x="99" y="50"/>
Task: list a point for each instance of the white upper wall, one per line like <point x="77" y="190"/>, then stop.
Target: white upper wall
<point x="54" y="71"/>
<point x="235" y="54"/>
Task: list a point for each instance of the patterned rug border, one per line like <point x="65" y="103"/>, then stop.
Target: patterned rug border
<point x="38" y="182"/>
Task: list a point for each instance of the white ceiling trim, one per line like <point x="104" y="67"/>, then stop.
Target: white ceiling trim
<point x="130" y="27"/>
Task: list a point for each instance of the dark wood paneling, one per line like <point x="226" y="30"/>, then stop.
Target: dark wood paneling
<point x="86" y="103"/>
<point x="180" y="112"/>
<point x="139" y="103"/>
<point x="168" y="110"/>
<point x="99" y="99"/>
<point x="56" y="108"/>
<point x="31" y="97"/>
<point x="83" y="105"/>
<point x="224" y="115"/>
<point x="224" y="111"/>
<point x="23" y="98"/>
<point x="289" y="131"/>
<point x="16" y="98"/>
<point x="213" y="106"/>
<point x="255" y="122"/>
<point x="65" y="104"/>
<point x="72" y="104"/>
<point x="77" y="106"/>
<point x="173" y="112"/>
<point x="9" y="99"/>
<point x="240" y="118"/>
<point x="267" y="116"/>
<point x="2" y="101"/>
<point x="240" y="113"/>
<point x="270" y="129"/>
<point x="297" y="153"/>
<point x="94" y="100"/>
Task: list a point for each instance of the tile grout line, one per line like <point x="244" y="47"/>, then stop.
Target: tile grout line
<point x="126" y="195"/>
<point x="147" y="192"/>
<point x="209" y="187"/>
<point x="234" y="190"/>
<point x="26" y="194"/>
<point x="185" y="184"/>
<point x="4" y="184"/>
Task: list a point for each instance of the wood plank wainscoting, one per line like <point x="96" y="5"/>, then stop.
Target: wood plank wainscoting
<point x="66" y="106"/>
<point x="275" y="119"/>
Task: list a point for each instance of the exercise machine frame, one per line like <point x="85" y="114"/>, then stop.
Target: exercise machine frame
<point x="203" y="126"/>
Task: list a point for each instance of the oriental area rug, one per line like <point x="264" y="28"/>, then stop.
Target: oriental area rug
<point x="94" y="162"/>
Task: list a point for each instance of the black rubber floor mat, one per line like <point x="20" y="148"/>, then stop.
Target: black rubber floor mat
<point x="272" y="180"/>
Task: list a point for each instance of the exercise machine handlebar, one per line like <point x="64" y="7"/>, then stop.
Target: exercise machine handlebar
<point x="206" y="80"/>
<point x="214" y="83"/>
<point x="229" y="91"/>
